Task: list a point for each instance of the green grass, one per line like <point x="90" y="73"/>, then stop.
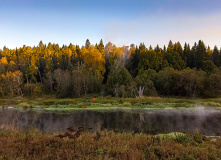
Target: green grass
<point x="51" y="103"/>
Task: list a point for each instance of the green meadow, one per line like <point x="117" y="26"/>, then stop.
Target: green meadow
<point x="51" y="103"/>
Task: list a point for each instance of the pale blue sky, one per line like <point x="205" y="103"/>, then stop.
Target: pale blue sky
<point x="120" y="21"/>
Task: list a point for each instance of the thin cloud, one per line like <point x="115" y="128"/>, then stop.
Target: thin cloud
<point x="159" y="29"/>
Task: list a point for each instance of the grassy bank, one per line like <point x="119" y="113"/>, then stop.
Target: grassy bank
<point x="52" y="103"/>
<point x="82" y="144"/>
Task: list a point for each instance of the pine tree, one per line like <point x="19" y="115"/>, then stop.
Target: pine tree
<point x="209" y="53"/>
<point x="187" y="55"/>
<point x="193" y="52"/>
<point x="87" y="43"/>
<point x="178" y="48"/>
<point x="164" y="49"/>
<point x="170" y="47"/>
<point x="41" y="45"/>
<point x="101" y="47"/>
<point x="216" y="57"/>
<point x="157" y="49"/>
<point x="63" y="63"/>
<point x="200" y="54"/>
<point x="173" y="56"/>
<point x="135" y="58"/>
<point x="150" y="48"/>
<point x="142" y="48"/>
<point x="54" y="63"/>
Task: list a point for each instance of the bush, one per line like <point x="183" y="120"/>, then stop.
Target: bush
<point x="165" y="81"/>
<point x="37" y="91"/>
<point x="190" y="82"/>
<point x="28" y="89"/>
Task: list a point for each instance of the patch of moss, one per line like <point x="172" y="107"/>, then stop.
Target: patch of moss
<point x="213" y="104"/>
<point x="24" y="104"/>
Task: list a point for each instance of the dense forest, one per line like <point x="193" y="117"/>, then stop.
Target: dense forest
<point x="73" y="71"/>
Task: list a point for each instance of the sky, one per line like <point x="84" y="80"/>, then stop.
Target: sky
<point x="122" y="22"/>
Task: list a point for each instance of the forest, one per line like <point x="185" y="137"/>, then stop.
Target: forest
<point x="74" y="71"/>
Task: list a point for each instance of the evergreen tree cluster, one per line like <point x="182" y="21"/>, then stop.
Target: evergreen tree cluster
<point x="73" y="71"/>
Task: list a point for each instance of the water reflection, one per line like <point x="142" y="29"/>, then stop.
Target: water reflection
<point x="205" y="120"/>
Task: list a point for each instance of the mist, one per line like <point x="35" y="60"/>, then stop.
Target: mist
<point x="205" y="120"/>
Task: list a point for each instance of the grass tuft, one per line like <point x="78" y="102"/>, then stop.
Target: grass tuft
<point x="80" y="143"/>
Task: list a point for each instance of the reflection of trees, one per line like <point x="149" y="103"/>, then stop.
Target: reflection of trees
<point x="121" y="121"/>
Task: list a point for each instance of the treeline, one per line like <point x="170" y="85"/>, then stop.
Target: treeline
<point x="73" y="71"/>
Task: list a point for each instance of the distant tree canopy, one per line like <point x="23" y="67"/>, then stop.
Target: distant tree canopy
<point x="73" y="71"/>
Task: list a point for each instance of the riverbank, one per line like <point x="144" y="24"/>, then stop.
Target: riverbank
<point x="82" y="144"/>
<point x="51" y="103"/>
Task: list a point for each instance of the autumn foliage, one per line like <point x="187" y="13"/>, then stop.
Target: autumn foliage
<point x="73" y="71"/>
<point x="106" y="145"/>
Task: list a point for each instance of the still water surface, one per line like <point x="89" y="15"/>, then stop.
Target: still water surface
<point x="153" y="121"/>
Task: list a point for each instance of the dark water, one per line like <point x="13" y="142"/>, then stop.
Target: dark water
<point x="205" y="120"/>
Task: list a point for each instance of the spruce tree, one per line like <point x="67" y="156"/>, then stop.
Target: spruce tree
<point x="101" y="47"/>
<point x="173" y="56"/>
<point x="142" y="48"/>
<point x="200" y="54"/>
<point x="87" y="43"/>
<point x="188" y="57"/>
<point x="157" y="49"/>
<point x="216" y="57"/>
<point x="150" y="48"/>
<point x="170" y="47"/>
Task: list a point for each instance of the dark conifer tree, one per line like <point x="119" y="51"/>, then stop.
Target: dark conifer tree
<point x="216" y="57"/>
<point x="41" y="69"/>
<point x="178" y="48"/>
<point x="170" y="47"/>
<point x="157" y="49"/>
<point x="55" y="63"/>
<point x="200" y="54"/>
<point x="142" y="48"/>
<point x="173" y="57"/>
<point x="193" y="53"/>
<point x="87" y="43"/>
<point x="209" y="53"/>
<point x="63" y="63"/>
<point x="101" y="47"/>
<point x="164" y="49"/>
<point x="133" y="63"/>
<point x="136" y="58"/>
<point x="187" y="55"/>
<point x="150" y="48"/>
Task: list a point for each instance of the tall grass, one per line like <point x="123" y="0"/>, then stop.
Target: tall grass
<point x="106" y="145"/>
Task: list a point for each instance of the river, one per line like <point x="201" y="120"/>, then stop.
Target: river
<point x="206" y="120"/>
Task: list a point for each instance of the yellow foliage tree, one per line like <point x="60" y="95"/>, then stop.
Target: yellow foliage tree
<point x="4" y="61"/>
<point x="12" y="66"/>
<point x="13" y="82"/>
<point x="3" y="64"/>
<point x="114" y="54"/>
<point x="94" y="61"/>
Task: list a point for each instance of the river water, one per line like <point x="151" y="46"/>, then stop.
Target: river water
<point x="152" y="121"/>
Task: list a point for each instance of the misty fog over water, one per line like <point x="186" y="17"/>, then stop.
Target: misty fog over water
<point x="151" y="121"/>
